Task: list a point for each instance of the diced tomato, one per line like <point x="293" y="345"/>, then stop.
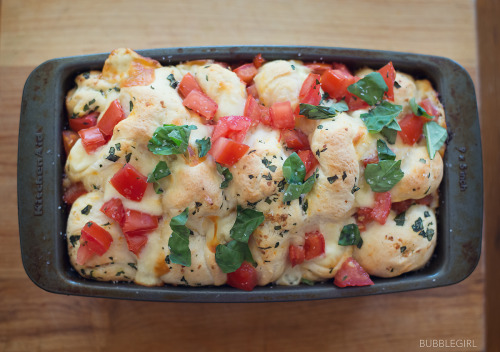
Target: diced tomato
<point x="233" y="127"/>
<point x="92" y="139"/>
<point x="427" y="200"/>
<point x="111" y="117"/>
<point x="382" y="207"/>
<point x="355" y="103"/>
<point x="245" y="278"/>
<point x="246" y="72"/>
<point x="429" y="107"/>
<point x="227" y="152"/>
<point x="282" y="115"/>
<point x="265" y="115"/>
<point x="335" y="83"/>
<point x="318" y="67"/>
<point x="136" y="223"/>
<point x="341" y="67"/>
<point x="314" y="245"/>
<point x="389" y="75"/>
<point x="201" y="103"/>
<point x="252" y="110"/>
<point x="114" y="209"/>
<point x="84" y="253"/>
<point x="309" y="160"/>
<point x="363" y="217"/>
<point x="187" y="84"/>
<point x="130" y="183"/>
<point x="96" y="238"/>
<point x="411" y="129"/>
<point x="83" y="122"/>
<point x="311" y="83"/>
<point x="74" y="192"/>
<point x="252" y="91"/>
<point x="402" y="206"/>
<point x="136" y="243"/>
<point x="295" y="139"/>
<point x="297" y="254"/>
<point x="69" y="140"/>
<point x="258" y="60"/>
<point x="371" y="160"/>
<point x="352" y="274"/>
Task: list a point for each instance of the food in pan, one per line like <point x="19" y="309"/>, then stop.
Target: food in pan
<point x="279" y="172"/>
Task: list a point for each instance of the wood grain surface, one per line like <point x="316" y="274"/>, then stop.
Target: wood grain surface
<point x="34" y="320"/>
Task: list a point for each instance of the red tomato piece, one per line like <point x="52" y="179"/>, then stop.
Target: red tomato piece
<point x="265" y="116"/>
<point x="74" y="192"/>
<point x="246" y="72"/>
<point x="411" y="129"/>
<point x="335" y="83"/>
<point x="245" y="278"/>
<point x="402" y="206"/>
<point x="136" y="243"/>
<point x="130" y="183"/>
<point x="363" y="217"/>
<point x="83" y="254"/>
<point x="309" y="160"/>
<point x="310" y="89"/>
<point x="227" y="152"/>
<point x="253" y="110"/>
<point x="92" y="139"/>
<point x="83" y="122"/>
<point x="341" y="67"/>
<point x="201" y="104"/>
<point x="314" y="245"/>
<point x="371" y="160"/>
<point x="296" y="254"/>
<point x="355" y="103"/>
<point x="114" y="209"/>
<point x="69" y="140"/>
<point x="233" y="127"/>
<point x="429" y="108"/>
<point x="258" y="60"/>
<point x="427" y="200"/>
<point x="96" y="238"/>
<point x="318" y="67"/>
<point x="136" y="223"/>
<point x="382" y="207"/>
<point x="389" y="75"/>
<point x="295" y="139"/>
<point x="187" y="84"/>
<point x="252" y="91"/>
<point x="111" y="117"/>
<point x="282" y="115"/>
<point x="352" y="274"/>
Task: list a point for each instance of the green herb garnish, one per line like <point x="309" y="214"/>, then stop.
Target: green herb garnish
<point x="173" y="82"/>
<point x="160" y="171"/>
<point x="86" y="210"/>
<point x="383" y="115"/>
<point x="435" y="136"/>
<point x="204" y="145"/>
<point x="294" y="172"/>
<point x="370" y="88"/>
<point x="350" y="236"/>
<point x="178" y="243"/>
<point x="418" y="110"/>
<point x="318" y="112"/>
<point x="224" y="172"/>
<point x="170" y="139"/>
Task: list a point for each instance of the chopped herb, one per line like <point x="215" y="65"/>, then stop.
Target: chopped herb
<point x="86" y="210"/>
<point x="267" y="177"/>
<point x="418" y="110"/>
<point x="132" y="265"/>
<point x="418" y="225"/>
<point x="400" y="219"/>
<point x="74" y="239"/>
<point x="293" y="67"/>
<point x="403" y="249"/>
<point x="119" y="273"/>
<point x="178" y="243"/>
<point x="344" y="176"/>
<point x="325" y="96"/>
<point x="170" y="139"/>
<point x="118" y="146"/>
<point x="224" y="172"/>
<point x="397" y="85"/>
<point x="112" y="156"/>
<point x="204" y="145"/>
<point x="350" y="236"/>
<point x="384" y="152"/>
<point x="173" y="82"/>
<point x="422" y="160"/>
<point x="426" y="214"/>
<point x="435" y="136"/>
<point x="278" y="227"/>
<point x="127" y="157"/>
<point x="370" y="88"/>
<point x="305" y="206"/>
<point x="318" y="112"/>
<point x="383" y="115"/>
<point x="354" y="189"/>
<point x="276" y="245"/>
<point x="307" y="282"/>
<point x="320" y="127"/>
<point x="117" y="89"/>
<point x="160" y="171"/>
<point x="267" y="163"/>
<point x="86" y="75"/>
<point x="332" y="179"/>
<point x="131" y="105"/>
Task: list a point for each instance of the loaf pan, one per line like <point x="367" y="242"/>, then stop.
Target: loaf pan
<point x="43" y="215"/>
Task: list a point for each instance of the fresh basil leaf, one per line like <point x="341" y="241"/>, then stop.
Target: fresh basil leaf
<point x="370" y="88"/>
<point x="178" y="243"/>
<point x="383" y="176"/>
<point x="294" y="169"/>
<point x="435" y="136"/>
<point x="418" y="110"/>
<point x="231" y="255"/>
<point x="203" y="146"/>
<point x="318" y="112"/>
<point x="350" y="236"/>
<point x="170" y="139"/>
<point x="384" y="152"/>
<point x="295" y="190"/>
<point x="228" y="176"/>
<point x="160" y="171"/>
<point x="389" y="134"/>
<point x="307" y="282"/>
<point x="381" y="116"/>
<point x="247" y="220"/>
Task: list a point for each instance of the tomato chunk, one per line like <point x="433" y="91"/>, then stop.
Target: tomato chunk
<point x="282" y="115"/>
<point x="96" y="238"/>
<point x="310" y="92"/>
<point x="355" y="103"/>
<point x="233" y="127"/>
<point x="341" y="67"/>
<point x="83" y="122"/>
<point x="389" y="75"/>
<point x="352" y="274"/>
<point x="187" y="84"/>
<point x="246" y="72"/>
<point x="114" y="209"/>
<point x="265" y="115"/>
<point x="136" y="243"/>
<point x="136" y="223"/>
<point x="73" y="192"/>
<point x="92" y="139"/>
<point x="201" y="104"/>
<point x="314" y="245"/>
<point x="335" y="83"/>
<point x="258" y="60"/>
<point x="130" y="183"/>
<point x="252" y="91"/>
<point x="427" y="200"/>
<point x="402" y="206"/>
<point x="69" y="140"/>
<point x="363" y="217"/>
<point x="227" y="152"/>
<point x="295" y="139"/>
<point x="382" y="207"/>
<point x="411" y="129"/>
<point x="83" y="254"/>
<point x="296" y="254"/>
<point x="252" y="110"/>
<point x="318" y="67"/>
<point x="111" y="117"/>
<point x="371" y="160"/>
<point x="309" y="160"/>
<point x="429" y="108"/>
<point x="245" y="278"/>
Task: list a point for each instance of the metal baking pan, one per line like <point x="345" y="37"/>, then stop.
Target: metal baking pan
<point x="42" y="213"/>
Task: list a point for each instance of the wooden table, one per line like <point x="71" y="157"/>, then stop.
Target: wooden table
<point x="34" y="320"/>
